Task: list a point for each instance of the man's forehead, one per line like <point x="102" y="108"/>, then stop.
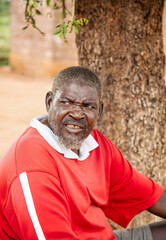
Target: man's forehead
<point x="76" y="84"/>
<point x="78" y="88"/>
<point x="77" y="91"/>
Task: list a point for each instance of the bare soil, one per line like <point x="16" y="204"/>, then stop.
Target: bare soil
<point x="21" y="99"/>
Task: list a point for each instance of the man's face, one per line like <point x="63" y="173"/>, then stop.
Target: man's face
<point x="72" y="113"/>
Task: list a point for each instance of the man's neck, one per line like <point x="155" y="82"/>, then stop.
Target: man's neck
<point x="76" y="151"/>
<point x="45" y="121"/>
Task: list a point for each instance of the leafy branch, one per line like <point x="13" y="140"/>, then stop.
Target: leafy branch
<point x="32" y="9"/>
<point x="30" y="12"/>
<point x="77" y="25"/>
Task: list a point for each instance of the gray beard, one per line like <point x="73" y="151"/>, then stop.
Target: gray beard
<point x="73" y="143"/>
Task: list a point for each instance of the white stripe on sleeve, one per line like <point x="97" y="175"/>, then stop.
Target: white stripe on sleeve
<point x="30" y="205"/>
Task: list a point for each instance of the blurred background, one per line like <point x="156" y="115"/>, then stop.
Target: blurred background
<point x="28" y="62"/>
<point x="4" y="32"/>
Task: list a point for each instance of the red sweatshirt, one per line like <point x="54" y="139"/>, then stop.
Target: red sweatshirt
<point x="44" y="195"/>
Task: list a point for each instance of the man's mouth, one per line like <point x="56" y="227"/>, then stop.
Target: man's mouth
<point x="73" y="126"/>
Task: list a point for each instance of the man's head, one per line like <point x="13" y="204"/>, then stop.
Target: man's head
<point x="74" y="105"/>
<point x="79" y="75"/>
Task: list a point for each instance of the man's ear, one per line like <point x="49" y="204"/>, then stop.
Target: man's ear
<point x="101" y="106"/>
<point x="48" y="100"/>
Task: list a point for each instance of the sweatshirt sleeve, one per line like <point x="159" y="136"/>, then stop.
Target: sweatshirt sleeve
<point x="131" y="192"/>
<point x="38" y="209"/>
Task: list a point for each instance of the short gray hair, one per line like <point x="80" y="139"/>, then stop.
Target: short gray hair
<point x="79" y="75"/>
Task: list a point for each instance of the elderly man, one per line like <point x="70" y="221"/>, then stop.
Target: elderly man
<point x="62" y="178"/>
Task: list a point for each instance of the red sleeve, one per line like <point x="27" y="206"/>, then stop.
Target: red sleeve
<point x="38" y="209"/>
<point x="130" y="191"/>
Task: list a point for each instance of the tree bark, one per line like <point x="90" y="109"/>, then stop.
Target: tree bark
<point x="122" y="44"/>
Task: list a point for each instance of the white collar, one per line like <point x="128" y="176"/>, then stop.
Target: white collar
<point x="88" y="145"/>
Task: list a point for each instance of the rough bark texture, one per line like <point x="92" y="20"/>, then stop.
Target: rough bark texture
<point x="123" y="44"/>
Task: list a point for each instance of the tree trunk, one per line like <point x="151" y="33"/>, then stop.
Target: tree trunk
<point x="122" y="44"/>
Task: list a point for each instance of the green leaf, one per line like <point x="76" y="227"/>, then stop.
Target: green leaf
<point x="58" y="31"/>
<point x="32" y="7"/>
<point x="58" y="26"/>
<point x="27" y="14"/>
<point x="80" y="27"/>
<point x="65" y="32"/>
<point x="76" y="29"/>
<point x="24" y="27"/>
<point x="55" y="6"/>
<point x="86" y="20"/>
<point x="38" y="12"/>
<point x="48" y="3"/>
<point x="63" y="25"/>
<point x="33" y="21"/>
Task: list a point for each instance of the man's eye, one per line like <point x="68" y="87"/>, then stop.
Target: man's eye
<point x="88" y="106"/>
<point x="66" y="103"/>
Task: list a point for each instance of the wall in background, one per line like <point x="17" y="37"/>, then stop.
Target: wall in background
<point x="36" y="55"/>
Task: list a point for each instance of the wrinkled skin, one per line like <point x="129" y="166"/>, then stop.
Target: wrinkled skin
<point x="72" y="113"/>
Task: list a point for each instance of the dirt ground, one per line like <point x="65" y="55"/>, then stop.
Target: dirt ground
<point x="21" y="98"/>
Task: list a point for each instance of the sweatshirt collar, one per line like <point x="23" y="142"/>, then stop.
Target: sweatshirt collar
<point x="88" y="145"/>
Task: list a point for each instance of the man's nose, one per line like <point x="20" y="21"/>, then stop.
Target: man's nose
<point x="77" y="112"/>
